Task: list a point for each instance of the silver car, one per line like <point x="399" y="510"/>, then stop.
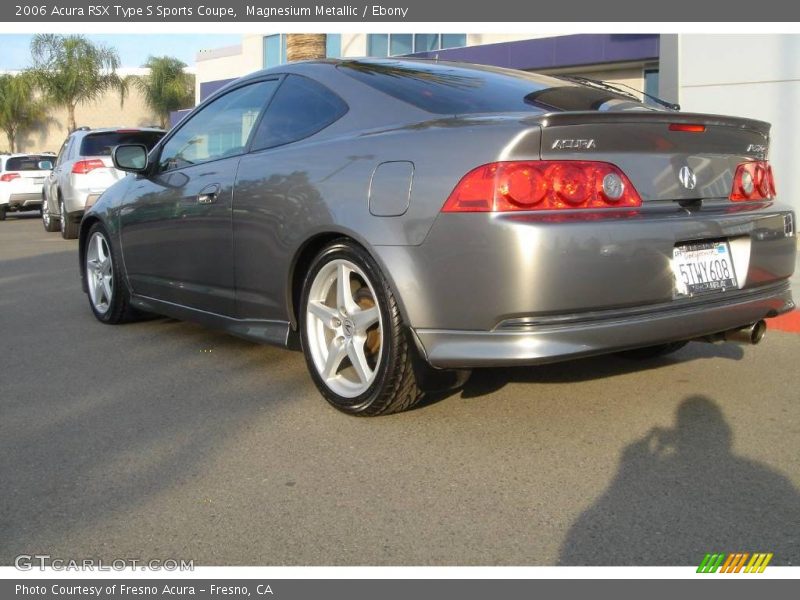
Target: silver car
<point x="403" y="221"/>
<point x="83" y="170"/>
<point x="21" y="180"/>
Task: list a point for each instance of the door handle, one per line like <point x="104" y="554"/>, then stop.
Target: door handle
<point x="208" y="195"/>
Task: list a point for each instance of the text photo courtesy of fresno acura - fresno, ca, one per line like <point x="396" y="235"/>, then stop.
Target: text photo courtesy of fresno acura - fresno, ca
<point x="402" y="222"/>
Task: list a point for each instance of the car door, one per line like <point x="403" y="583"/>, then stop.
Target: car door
<point x="277" y="201"/>
<point x="175" y="224"/>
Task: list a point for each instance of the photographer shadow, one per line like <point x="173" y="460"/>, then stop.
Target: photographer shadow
<point x="679" y="493"/>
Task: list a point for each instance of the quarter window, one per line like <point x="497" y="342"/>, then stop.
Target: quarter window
<point x="219" y="130"/>
<point x="301" y="108"/>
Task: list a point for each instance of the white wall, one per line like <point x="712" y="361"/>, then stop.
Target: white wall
<point x="754" y="76"/>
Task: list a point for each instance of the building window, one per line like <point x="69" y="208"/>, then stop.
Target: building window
<point x="426" y="42"/>
<point x="333" y="45"/>
<point x="378" y="44"/>
<point x="650" y="84"/>
<point x="274" y="50"/>
<point x="454" y="40"/>
<point x="399" y="44"/>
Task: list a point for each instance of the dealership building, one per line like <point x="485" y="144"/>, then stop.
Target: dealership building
<point x="755" y="76"/>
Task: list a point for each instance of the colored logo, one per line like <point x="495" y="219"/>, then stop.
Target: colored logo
<point x="735" y="562"/>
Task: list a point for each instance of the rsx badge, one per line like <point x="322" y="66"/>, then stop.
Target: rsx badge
<point x="574" y="145"/>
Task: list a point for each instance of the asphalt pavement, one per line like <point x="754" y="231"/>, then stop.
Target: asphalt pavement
<point x="164" y="439"/>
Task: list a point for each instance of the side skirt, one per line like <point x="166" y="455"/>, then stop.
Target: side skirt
<point x="261" y="331"/>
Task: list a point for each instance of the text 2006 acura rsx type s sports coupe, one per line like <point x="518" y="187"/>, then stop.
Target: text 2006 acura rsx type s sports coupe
<point x="404" y="221"/>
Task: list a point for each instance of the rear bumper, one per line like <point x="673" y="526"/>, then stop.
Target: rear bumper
<point x="24" y="200"/>
<point x="539" y="341"/>
<point x="521" y="288"/>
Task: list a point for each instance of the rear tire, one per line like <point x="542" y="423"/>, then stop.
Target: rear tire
<point x="69" y="228"/>
<point x="652" y="351"/>
<point x="109" y="297"/>
<point x="347" y="309"/>
<point x="48" y="222"/>
<point x="3" y="212"/>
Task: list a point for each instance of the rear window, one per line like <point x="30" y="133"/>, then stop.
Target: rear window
<point x="26" y="163"/>
<point x="101" y="144"/>
<point x="443" y="88"/>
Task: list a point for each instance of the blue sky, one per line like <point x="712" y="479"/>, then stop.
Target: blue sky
<point x="133" y="49"/>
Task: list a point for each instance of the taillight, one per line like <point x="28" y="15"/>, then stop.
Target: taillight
<point x="753" y="181"/>
<point x="9" y="176"/>
<point x="82" y="167"/>
<point x="542" y="185"/>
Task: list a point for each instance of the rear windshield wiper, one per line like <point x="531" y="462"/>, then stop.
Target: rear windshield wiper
<point x="620" y="88"/>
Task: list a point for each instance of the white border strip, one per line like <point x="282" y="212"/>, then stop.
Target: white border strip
<point x="266" y="574"/>
<point x="554" y="28"/>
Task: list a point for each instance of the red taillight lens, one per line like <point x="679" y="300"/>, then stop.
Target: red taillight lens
<point x="753" y="181"/>
<point x="687" y="127"/>
<point x="82" y="167"/>
<point x="9" y="176"/>
<point x="542" y="185"/>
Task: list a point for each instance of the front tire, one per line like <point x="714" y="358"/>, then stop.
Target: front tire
<point x="109" y="297"/>
<point x="353" y="337"/>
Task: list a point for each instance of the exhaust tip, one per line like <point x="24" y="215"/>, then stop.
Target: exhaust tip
<point x="757" y="331"/>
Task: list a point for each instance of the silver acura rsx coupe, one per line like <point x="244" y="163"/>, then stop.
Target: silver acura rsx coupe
<point x="404" y="221"/>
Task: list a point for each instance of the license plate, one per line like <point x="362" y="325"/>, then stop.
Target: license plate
<point x="701" y="267"/>
<point x="36" y="180"/>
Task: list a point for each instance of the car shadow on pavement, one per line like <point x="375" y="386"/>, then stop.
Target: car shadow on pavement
<point x="679" y="493"/>
<point x="486" y="381"/>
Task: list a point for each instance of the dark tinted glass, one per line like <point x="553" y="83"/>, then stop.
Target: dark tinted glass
<point x="26" y="163"/>
<point x="101" y="144"/>
<point x="220" y="129"/>
<point x="447" y="89"/>
<point x="301" y="108"/>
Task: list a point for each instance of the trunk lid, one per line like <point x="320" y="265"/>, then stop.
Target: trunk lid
<point x="652" y="155"/>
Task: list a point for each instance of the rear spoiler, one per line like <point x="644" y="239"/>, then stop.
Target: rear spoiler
<point x="596" y="117"/>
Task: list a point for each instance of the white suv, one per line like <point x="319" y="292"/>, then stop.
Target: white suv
<point x="21" y="179"/>
<point x="83" y="171"/>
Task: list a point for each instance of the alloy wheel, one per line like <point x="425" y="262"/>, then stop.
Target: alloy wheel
<point x="344" y="328"/>
<point x="99" y="273"/>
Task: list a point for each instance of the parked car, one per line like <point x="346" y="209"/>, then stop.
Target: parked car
<point x="21" y="179"/>
<point x="83" y="170"/>
<point x="405" y="221"/>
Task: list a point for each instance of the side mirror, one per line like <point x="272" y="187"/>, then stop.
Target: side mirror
<point x="130" y="157"/>
<point x="45" y="165"/>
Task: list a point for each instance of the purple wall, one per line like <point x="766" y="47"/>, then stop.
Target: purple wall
<point x="176" y="116"/>
<point x="209" y="87"/>
<point x="557" y="52"/>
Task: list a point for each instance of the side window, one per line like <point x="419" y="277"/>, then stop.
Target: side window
<point x="301" y="108"/>
<point x="219" y="130"/>
<point x="62" y="153"/>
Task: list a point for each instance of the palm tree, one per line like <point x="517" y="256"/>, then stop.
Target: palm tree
<point x="72" y="70"/>
<point x="167" y="87"/>
<point x="305" y="46"/>
<point x="19" y="107"/>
